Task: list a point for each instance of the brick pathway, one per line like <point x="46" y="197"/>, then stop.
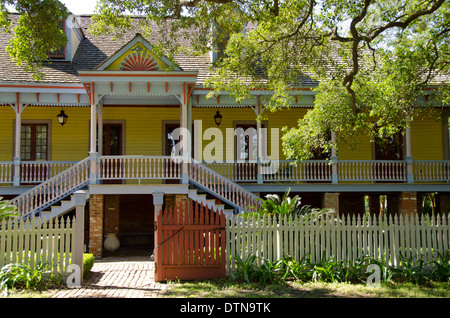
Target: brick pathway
<point x="118" y="277"/>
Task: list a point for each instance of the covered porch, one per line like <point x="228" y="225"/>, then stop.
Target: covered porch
<point x="141" y="167"/>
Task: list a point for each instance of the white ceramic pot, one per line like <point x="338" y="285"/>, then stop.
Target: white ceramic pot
<point x="111" y="243"/>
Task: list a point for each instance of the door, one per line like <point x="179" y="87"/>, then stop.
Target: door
<point x="112" y="146"/>
<point x="246" y="152"/>
<point x="112" y="139"/>
<point x="34" y="147"/>
<point x="389" y="149"/>
<point x="169" y="149"/>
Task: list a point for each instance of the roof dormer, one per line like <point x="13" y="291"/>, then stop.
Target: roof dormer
<point x="74" y="34"/>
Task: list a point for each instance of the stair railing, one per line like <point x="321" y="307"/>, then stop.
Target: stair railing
<point x="225" y="189"/>
<point x="52" y="190"/>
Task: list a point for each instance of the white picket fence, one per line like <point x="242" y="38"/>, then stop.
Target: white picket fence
<point x="32" y="243"/>
<point x="346" y="238"/>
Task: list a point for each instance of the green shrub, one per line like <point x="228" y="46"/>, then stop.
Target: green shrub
<point x="21" y="276"/>
<point x="330" y="270"/>
<point x="88" y="262"/>
<point x="441" y="271"/>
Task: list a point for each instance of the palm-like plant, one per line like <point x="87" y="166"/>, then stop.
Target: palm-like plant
<point x="285" y="205"/>
<point x="7" y="210"/>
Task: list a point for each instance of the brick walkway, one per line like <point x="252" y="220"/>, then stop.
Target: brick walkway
<point x="118" y="277"/>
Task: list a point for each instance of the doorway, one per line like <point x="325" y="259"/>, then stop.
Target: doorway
<point x="169" y="143"/>
<point x="112" y="146"/>
<point x="34" y="146"/>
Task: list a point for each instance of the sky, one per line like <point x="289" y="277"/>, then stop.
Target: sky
<point x="79" y="7"/>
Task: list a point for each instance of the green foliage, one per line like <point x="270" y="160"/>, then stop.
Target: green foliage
<point x="329" y="270"/>
<point x="88" y="262"/>
<point x="21" y="276"/>
<point x="7" y="210"/>
<point x="283" y="206"/>
<point x="441" y="271"/>
<point x="36" y="32"/>
<point x="373" y="59"/>
<point x="268" y="272"/>
<point x="411" y="271"/>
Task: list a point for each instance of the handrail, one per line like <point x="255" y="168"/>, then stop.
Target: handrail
<point x="52" y="190"/>
<point x="222" y="187"/>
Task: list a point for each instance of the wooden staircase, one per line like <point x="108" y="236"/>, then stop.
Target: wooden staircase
<point x="32" y="202"/>
<point x="222" y="188"/>
<point x="42" y="199"/>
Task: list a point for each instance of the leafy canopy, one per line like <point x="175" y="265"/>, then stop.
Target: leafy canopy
<point x="36" y="32"/>
<point x="372" y="58"/>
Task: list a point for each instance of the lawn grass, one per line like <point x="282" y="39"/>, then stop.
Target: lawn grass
<point x="229" y="289"/>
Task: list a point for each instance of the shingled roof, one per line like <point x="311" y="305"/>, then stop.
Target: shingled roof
<point x="91" y="52"/>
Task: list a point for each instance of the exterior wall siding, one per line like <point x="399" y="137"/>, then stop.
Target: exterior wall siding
<point x="144" y="130"/>
<point x="426" y="138"/>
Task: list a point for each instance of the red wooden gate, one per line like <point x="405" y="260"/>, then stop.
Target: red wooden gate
<point x="190" y="243"/>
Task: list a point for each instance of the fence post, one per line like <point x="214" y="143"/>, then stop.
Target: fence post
<point x="79" y="198"/>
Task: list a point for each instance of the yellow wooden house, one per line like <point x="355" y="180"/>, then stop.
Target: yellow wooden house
<point x="138" y="133"/>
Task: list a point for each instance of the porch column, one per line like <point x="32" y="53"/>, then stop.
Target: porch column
<point x="80" y="202"/>
<point x="259" y="145"/>
<point x="186" y="152"/>
<point x="407" y="203"/>
<point x="331" y="201"/>
<point x="93" y="138"/>
<point x="334" y="160"/>
<point x="158" y="201"/>
<point x="16" y="159"/>
<point x="409" y="157"/>
<point x="96" y="224"/>
<point x="100" y="129"/>
<point x="189" y="120"/>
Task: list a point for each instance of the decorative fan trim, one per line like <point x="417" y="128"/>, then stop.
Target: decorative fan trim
<point x="139" y="62"/>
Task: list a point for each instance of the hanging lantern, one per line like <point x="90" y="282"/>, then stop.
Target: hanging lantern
<point x="218" y="118"/>
<point x="62" y="118"/>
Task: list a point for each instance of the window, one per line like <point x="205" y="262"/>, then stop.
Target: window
<point x="389" y="147"/>
<point x="34" y="142"/>
<point x="60" y="53"/>
<point x="169" y="149"/>
<point x="319" y="153"/>
<point x="246" y="141"/>
<point x="446" y="134"/>
<point x="448" y="137"/>
<point x="222" y="37"/>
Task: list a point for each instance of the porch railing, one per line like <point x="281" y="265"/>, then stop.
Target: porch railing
<point x="39" y="171"/>
<point x="6" y="172"/>
<point x="165" y="167"/>
<point x="50" y="191"/>
<point x="373" y="170"/>
<point x="431" y="170"/>
<point x="138" y="167"/>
